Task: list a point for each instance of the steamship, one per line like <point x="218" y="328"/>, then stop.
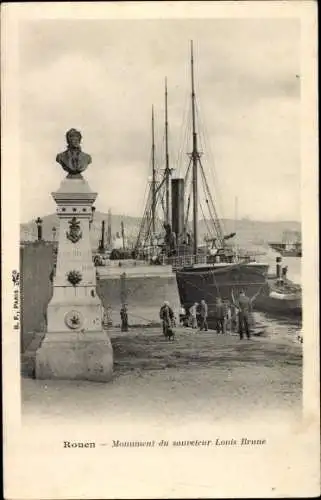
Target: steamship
<point x="209" y="270"/>
<point x="290" y="246"/>
<point x="216" y="269"/>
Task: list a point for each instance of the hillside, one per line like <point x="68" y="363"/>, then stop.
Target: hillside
<point x="248" y="231"/>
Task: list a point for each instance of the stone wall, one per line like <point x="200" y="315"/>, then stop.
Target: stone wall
<point x="36" y="263"/>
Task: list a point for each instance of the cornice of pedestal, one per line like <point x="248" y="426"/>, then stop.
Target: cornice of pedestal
<point x="74" y="191"/>
<point x="74" y="198"/>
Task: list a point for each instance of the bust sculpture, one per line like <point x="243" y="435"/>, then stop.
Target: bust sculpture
<point x="73" y="160"/>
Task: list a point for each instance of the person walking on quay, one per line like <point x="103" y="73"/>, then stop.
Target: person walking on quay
<point x="219" y="315"/>
<point x="166" y="314"/>
<point x="124" y="318"/>
<point x="193" y="315"/>
<point x="203" y="315"/>
<point x="227" y="316"/>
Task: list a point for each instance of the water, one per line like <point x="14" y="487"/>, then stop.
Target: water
<point x="279" y="328"/>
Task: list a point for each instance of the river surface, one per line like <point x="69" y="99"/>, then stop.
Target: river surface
<point x="280" y="328"/>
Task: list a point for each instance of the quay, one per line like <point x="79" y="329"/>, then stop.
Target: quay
<point x="200" y="373"/>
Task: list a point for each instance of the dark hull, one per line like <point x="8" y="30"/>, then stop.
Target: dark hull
<point x="209" y="283"/>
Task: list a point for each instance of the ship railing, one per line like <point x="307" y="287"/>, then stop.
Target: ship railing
<point x="180" y="261"/>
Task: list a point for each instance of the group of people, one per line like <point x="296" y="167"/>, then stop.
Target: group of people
<point x="230" y="316"/>
<point x="107" y="319"/>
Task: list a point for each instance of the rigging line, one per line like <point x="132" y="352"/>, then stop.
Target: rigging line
<point x="142" y="224"/>
<point x="149" y="223"/>
<point x="205" y="221"/>
<point x="185" y="146"/>
<point x="182" y="134"/>
<point x="215" y="218"/>
<point x="188" y="204"/>
<point x="212" y="171"/>
<point x="205" y="193"/>
<point x="187" y="171"/>
<point x="206" y="136"/>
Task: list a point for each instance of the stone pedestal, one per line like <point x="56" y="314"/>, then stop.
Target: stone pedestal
<point x="75" y="356"/>
<point x="75" y="346"/>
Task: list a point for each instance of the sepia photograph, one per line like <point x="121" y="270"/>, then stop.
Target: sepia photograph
<point x="158" y="270"/>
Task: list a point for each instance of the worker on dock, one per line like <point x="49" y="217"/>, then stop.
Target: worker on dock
<point x="203" y="315"/>
<point x="166" y="314"/>
<point x="193" y="315"/>
<point x="124" y="318"/>
<point x="219" y="315"/>
<point x="245" y="308"/>
<point x="227" y="327"/>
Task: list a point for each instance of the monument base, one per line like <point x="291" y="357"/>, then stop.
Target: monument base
<point x="75" y="356"/>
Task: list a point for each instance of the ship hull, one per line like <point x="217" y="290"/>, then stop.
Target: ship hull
<point x="209" y="283"/>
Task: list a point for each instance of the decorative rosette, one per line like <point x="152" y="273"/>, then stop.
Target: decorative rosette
<point x="74" y="277"/>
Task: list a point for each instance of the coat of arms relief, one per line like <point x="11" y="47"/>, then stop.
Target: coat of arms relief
<point x="74" y="234"/>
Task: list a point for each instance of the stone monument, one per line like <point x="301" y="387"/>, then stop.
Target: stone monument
<point x="75" y="345"/>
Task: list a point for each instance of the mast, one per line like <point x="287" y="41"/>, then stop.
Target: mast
<point x="154" y="175"/>
<point x="167" y="170"/>
<point x="195" y="157"/>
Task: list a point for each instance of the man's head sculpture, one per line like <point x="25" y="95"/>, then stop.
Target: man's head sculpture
<point x="73" y="138"/>
<point x="73" y="160"/>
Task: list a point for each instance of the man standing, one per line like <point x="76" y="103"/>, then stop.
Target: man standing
<point x="166" y="314"/>
<point x="203" y="315"/>
<point x="227" y="316"/>
<point x="219" y="314"/>
<point x="193" y="314"/>
<point x="124" y="318"/>
<point x="245" y="308"/>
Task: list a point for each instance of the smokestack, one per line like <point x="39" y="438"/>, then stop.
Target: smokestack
<point x="178" y="207"/>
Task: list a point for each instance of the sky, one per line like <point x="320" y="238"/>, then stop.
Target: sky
<point x="103" y="76"/>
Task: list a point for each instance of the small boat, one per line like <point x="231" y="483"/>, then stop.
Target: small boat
<point x="280" y="298"/>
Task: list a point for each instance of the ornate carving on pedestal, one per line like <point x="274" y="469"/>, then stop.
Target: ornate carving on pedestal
<point x="74" y="234"/>
<point x="73" y="160"/>
<point x="74" y="319"/>
<point x="74" y="277"/>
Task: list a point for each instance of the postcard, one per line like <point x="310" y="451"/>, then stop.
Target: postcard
<point x="160" y="272"/>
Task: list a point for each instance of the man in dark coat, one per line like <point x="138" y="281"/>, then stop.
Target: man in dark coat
<point x="166" y="314"/>
<point x="124" y="318"/>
